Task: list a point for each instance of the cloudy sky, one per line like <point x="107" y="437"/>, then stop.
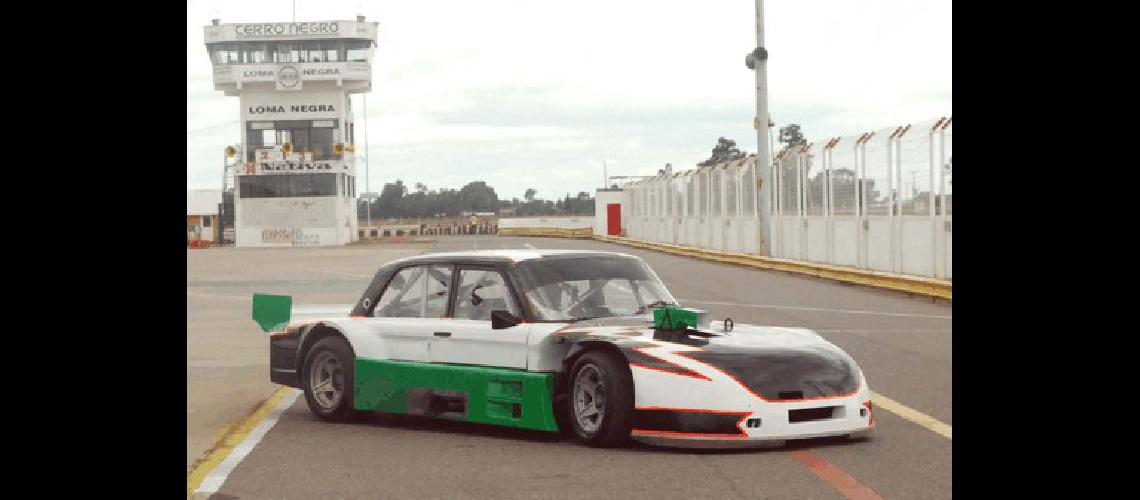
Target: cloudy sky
<point x="538" y="94"/>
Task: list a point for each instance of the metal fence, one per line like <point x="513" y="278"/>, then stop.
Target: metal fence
<point x="879" y="200"/>
<point x="708" y="207"/>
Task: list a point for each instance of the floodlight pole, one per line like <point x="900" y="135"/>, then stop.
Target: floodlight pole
<point x="763" y="168"/>
<point x="367" y="159"/>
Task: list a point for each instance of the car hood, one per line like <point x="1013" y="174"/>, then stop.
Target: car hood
<point x="774" y="363"/>
<point x="626" y="329"/>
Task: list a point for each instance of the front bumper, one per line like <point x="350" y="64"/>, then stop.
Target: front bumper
<point x="749" y="442"/>
<point x="283" y="361"/>
<point x="768" y="424"/>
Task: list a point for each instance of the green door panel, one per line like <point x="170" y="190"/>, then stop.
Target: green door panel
<point x="498" y="396"/>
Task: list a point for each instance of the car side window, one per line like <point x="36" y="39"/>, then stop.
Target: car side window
<point x="415" y="292"/>
<point x="481" y="291"/>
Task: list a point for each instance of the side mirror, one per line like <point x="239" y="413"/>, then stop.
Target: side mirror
<point x="503" y="319"/>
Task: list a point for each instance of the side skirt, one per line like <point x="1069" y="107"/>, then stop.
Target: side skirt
<point x="497" y="396"/>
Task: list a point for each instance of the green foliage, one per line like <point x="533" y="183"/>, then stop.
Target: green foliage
<point x="792" y="136"/>
<point x="724" y="150"/>
<point x="396" y="201"/>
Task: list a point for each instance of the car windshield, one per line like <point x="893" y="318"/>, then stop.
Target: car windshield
<point x="571" y="289"/>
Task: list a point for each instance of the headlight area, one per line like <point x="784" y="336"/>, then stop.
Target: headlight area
<point x="689" y="422"/>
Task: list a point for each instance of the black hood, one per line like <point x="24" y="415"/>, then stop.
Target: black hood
<point x="774" y="363"/>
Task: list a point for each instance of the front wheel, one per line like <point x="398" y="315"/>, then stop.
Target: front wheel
<point x="600" y="409"/>
<point x="327" y="379"/>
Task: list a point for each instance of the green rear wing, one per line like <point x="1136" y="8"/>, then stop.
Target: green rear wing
<point x="271" y="312"/>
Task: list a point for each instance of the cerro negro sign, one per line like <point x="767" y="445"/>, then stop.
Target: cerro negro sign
<point x="279" y="29"/>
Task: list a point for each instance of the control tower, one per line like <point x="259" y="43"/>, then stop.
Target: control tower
<point x="293" y="178"/>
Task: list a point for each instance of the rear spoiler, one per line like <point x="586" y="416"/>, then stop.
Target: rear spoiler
<point x="274" y="312"/>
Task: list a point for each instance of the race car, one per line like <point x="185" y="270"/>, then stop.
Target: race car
<point x="552" y="340"/>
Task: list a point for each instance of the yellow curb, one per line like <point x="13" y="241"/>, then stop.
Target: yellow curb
<point x="236" y="433"/>
<point x="585" y="232"/>
<point x="904" y="411"/>
<point x="912" y="284"/>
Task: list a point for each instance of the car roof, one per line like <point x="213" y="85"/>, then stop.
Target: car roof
<point x="508" y="255"/>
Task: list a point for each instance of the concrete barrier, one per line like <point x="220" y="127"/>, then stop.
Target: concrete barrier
<point x="557" y="232"/>
<point x="930" y="287"/>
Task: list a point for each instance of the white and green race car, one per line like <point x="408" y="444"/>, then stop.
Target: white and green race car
<point x="549" y="340"/>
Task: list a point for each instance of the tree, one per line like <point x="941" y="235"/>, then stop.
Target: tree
<point x="792" y="136"/>
<point x="477" y="196"/>
<point x="391" y="199"/>
<point x="724" y="150"/>
<point x="395" y="201"/>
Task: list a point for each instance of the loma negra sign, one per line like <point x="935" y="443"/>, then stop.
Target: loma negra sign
<point x="276" y="29"/>
<point x="303" y="108"/>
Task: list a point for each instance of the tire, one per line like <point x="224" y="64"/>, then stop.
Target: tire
<point x="332" y="360"/>
<point x="612" y="419"/>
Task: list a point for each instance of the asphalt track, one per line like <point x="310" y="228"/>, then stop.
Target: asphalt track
<point x="902" y="343"/>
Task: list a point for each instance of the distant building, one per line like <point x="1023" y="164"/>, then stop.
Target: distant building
<point x="202" y="214"/>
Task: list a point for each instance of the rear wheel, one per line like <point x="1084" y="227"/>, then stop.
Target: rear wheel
<point x="600" y="406"/>
<point x="327" y="379"/>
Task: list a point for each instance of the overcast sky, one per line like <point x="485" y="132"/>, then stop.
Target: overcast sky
<point x="537" y="94"/>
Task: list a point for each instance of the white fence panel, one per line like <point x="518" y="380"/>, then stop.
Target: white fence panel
<point x="946" y="144"/>
<point x="917" y="245"/>
<point x="878" y="240"/>
<point x="880" y="200"/>
<point x="790" y="236"/>
<point x="845" y="236"/>
<point x="816" y="237"/>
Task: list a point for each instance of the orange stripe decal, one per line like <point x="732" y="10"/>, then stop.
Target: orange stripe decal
<point x="681" y="370"/>
<point x="834" y="476"/>
<point x="650" y="432"/>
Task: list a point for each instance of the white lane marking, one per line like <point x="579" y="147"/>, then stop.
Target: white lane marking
<point x="528" y="245"/>
<point x="820" y="309"/>
<point x="342" y="273"/>
<point x="475" y="241"/>
<point x="218" y="476"/>
<point x="884" y="330"/>
<point x="219" y="296"/>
